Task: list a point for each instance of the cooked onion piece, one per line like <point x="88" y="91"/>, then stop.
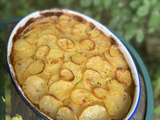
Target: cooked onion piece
<point x="118" y="107"/>
<point x="114" y="52"/>
<point x="65" y="113"/>
<point x="91" y="79"/>
<point x="100" y="92"/>
<point x="81" y="97"/>
<point x="87" y="45"/>
<point x="115" y="87"/>
<point x="66" y="44"/>
<point x="96" y="63"/>
<point x="75" y="69"/>
<point x="48" y="39"/>
<point x="95" y="112"/>
<point x="94" y="33"/>
<point x="34" y="68"/>
<point x="20" y="68"/>
<point x="117" y="62"/>
<point x="66" y="74"/>
<point x="61" y="89"/>
<point x="35" y="87"/>
<point x="49" y="104"/>
<point x="78" y="58"/>
<point x="124" y="76"/>
<point x="42" y="52"/>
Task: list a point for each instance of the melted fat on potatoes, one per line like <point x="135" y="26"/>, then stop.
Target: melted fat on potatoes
<point x="63" y="62"/>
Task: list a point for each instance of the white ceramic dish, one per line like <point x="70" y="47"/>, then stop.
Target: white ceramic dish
<point x="106" y="31"/>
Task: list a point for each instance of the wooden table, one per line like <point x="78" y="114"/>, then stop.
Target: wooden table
<point x="21" y="108"/>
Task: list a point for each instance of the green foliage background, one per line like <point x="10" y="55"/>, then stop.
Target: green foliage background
<point x="138" y="21"/>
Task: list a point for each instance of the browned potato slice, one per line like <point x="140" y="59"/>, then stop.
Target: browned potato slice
<point x="95" y="112"/>
<point x="75" y="69"/>
<point x="66" y="74"/>
<point x="32" y="38"/>
<point x="78" y="58"/>
<point x="31" y="32"/>
<point x="45" y="75"/>
<point x="53" y="79"/>
<point x="55" y="56"/>
<point x="49" y="104"/>
<point x="61" y="89"/>
<point x="102" y="43"/>
<point x="114" y="52"/>
<point x="118" y="107"/>
<point x="21" y="45"/>
<point x="64" y="18"/>
<point x="100" y="93"/>
<point x="96" y="63"/>
<point x="53" y="67"/>
<point x="35" y="87"/>
<point x="115" y="87"/>
<point x="94" y="33"/>
<point x="64" y="27"/>
<point x="66" y="113"/>
<point x="87" y="45"/>
<point x="42" y="52"/>
<point x="117" y="62"/>
<point x="66" y="44"/>
<point x="34" y="68"/>
<point x="20" y="67"/>
<point x="124" y="76"/>
<point x="109" y="71"/>
<point x="48" y="39"/>
<point x="81" y="97"/>
<point x="77" y="109"/>
<point x="91" y="79"/>
<point x="80" y="30"/>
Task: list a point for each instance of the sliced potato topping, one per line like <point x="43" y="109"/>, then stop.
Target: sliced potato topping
<point x="87" y="45"/>
<point x="64" y="18"/>
<point x="115" y="87"/>
<point x="53" y="79"/>
<point x="96" y="63"/>
<point x="81" y="97"/>
<point x="49" y="104"/>
<point x="75" y="69"/>
<point x="100" y="92"/>
<point x="48" y="39"/>
<point x="34" y="68"/>
<point x="20" y="68"/>
<point x="94" y="33"/>
<point x="80" y="30"/>
<point x="61" y="89"/>
<point x="55" y="56"/>
<point x="117" y="62"/>
<point x="118" y="107"/>
<point x="66" y="44"/>
<point x="78" y="58"/>
<point x="71" y="70"/>
<point x="35" y="87"/>
<point x="66" y="74"/>
<point x="22" y="45"/>
<point x="42" y="52"/>
<point x="65" y="113"/>
<point x="114" y="52"/>
<point x="94" y="112"/>
<point x="124" y="76"/>
<point x="91" y="79"/>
